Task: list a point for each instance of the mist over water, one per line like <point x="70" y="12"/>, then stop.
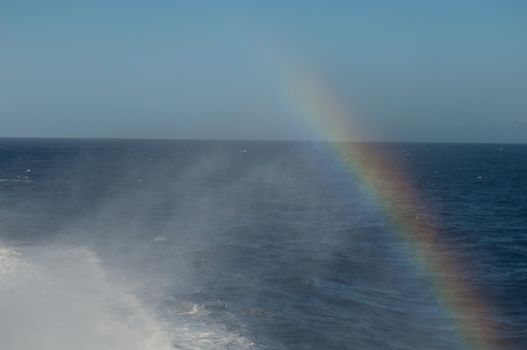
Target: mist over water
<point x="60" y="298"/>
<point x="243" y="245"/>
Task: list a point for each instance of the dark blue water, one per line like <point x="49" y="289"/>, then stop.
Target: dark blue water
<point x="249" y="245"/>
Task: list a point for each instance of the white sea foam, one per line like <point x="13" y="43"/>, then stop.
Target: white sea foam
<point x="60" y="298"/>
<point x="194" y="338"/>
<point x="18" y="179"/>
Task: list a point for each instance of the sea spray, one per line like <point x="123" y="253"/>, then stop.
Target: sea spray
<point x="60" y="298"/>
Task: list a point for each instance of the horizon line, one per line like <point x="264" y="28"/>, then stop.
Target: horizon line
<point x="257" y="140"/>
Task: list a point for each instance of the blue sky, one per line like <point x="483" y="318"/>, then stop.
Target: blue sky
<point x="448" y="71"/>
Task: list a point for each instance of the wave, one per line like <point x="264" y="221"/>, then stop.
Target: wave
<point x="61" y="298"/>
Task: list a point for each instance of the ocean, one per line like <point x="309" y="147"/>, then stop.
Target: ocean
<point x="154" y="245"/>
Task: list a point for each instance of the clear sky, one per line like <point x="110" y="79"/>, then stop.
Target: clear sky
<point x="411" y="70"/>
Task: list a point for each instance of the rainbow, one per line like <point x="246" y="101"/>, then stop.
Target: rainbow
<point x="382" y="178"/>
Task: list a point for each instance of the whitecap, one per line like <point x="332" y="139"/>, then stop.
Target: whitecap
<point x="62" y="299"/>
